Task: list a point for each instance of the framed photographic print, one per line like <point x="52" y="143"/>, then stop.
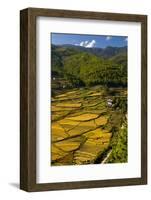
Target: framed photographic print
<point x="83" y="93"/>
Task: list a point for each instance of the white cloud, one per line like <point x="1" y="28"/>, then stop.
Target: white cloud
<point x="87" y="44"/>
<point x="82" y="44"/>
<point x="108" y="38"/>
<point x="126" y="39"/>
<point x="91" y="44"/>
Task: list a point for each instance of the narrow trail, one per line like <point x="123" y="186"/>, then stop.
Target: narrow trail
<point x="106" y="158"/>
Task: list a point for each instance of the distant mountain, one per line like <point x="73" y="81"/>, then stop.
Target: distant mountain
<point x="107" y="52"/>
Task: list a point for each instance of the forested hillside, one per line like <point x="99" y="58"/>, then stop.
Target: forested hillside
<point x="90" y="66"/>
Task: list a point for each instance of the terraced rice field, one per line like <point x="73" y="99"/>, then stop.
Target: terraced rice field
<point x="79" y="126"/>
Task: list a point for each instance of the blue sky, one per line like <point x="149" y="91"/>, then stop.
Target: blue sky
<point x="88" y="41"/>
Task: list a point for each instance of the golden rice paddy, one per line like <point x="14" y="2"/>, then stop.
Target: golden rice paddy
<point x="78" y="132"/>
<point x="69" y="105"/>
<point x="101" y="120"/>
<point x="68" y="145"/>
<point x="84" y="117"/>
<point x="95" y="94"/>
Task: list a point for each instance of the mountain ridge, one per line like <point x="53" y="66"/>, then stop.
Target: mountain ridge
<point x="106" y="52"/>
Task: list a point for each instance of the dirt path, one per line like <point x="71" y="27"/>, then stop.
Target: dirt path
<point x="106" y="158"/>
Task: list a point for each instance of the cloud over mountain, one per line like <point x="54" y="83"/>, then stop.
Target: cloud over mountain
<point x="108" y="38"/>
<point x="87" y="44"/>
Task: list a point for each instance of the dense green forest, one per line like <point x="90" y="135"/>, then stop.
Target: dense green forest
<point x="82" y="67"/>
